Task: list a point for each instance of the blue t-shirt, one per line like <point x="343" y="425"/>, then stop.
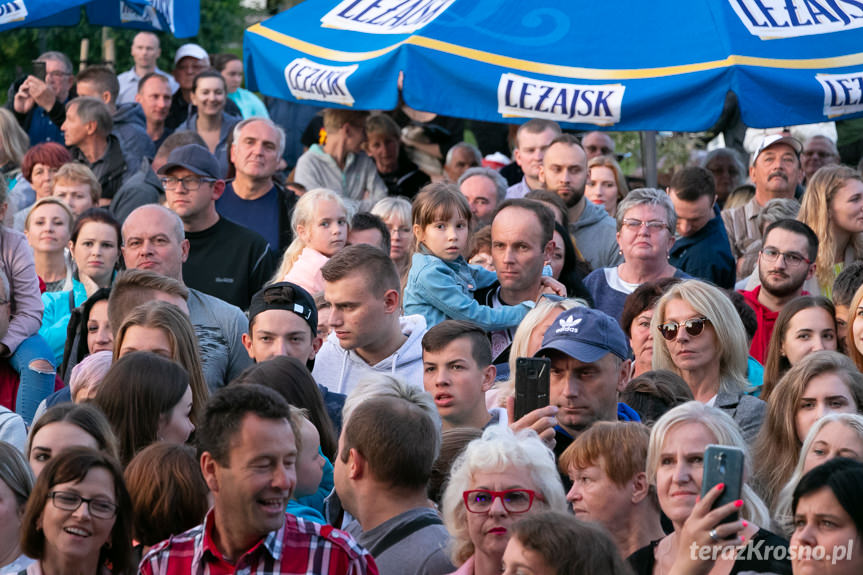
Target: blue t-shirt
<point x="260" y="215"/>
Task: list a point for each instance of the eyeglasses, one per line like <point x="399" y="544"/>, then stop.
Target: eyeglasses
<point x="513" y="500"/>
<point x="692" y="326"/>
<point x="57" y="74"/>
<point x="791" y="258"/>
<point x="68" y="501"/>
<point x="190" y="183"/>
<point x="651" y="225"/>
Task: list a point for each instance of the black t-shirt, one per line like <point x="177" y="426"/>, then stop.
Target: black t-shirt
<point x="229" y="262"/>
<point x="643" y="560"/>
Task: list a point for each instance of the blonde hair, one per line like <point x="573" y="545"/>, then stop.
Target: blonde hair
<point x="76" y="173"/>
<point x="497" y="449"/>
<point x="14" y="142"/>
<point x="815" y="212"/>
<point x="777" y="445"/>
<point x="708" y="301"/>
<point x="50" y="200"/>
<point x="853" y="352"/>
<point x="304" y="213"/>
<point x="725" y="432"/>
<point x="782" y="514"/>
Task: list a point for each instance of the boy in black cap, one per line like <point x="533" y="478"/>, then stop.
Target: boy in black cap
<point x="283" y="320"/>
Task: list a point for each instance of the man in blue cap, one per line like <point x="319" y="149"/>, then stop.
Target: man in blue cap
<point x="225" y="260"/>
<point x="589" y="367"/>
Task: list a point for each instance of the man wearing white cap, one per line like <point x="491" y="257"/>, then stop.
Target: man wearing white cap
<point x="775" y="172"/>
<point x="145" y="52"/>
<point x="189" y="61"/>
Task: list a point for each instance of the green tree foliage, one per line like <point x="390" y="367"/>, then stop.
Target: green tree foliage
<point x="222" y="25"/>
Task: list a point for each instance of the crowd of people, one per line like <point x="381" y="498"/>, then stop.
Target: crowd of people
<point x="260" y="338"/>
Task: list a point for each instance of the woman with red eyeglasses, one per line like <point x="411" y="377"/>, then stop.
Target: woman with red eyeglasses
<point x="497" y="480"/>
<point x="699" y="336"/>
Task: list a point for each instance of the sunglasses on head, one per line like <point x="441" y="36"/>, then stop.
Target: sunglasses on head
<point x="692" y="326"/>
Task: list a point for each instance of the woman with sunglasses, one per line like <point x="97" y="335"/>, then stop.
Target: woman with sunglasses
<point x="498" y="479"/>
<point x="645" y="232"/>
<point x="700" y="337"/>
<point x="78" y="519"/>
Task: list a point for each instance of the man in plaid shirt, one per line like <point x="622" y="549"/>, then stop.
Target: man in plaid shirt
<point x="248" y="440"/>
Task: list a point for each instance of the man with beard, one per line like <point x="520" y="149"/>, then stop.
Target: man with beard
<point x="775" y="171"/>
<point x="564" y="171"/>
<point x="785" y="262"/>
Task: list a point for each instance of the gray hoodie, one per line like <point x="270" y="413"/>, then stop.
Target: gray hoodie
<point x="340" y="369"/>
<point x="595" y="234"/>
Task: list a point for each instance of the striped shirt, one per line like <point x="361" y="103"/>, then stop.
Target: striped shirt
<point x="299" y="547"/>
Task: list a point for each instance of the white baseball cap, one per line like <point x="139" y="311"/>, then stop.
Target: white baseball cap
<point x="774" y="139"/>
<point x="192" y="50"/>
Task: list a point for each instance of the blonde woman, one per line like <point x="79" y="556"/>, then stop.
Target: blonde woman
<point x="48" y="228"/>
<point x="833" y="207"/>
<point x="395" y="211"/>
<point x="699" y="336"/>
<point x="674" y="468"/>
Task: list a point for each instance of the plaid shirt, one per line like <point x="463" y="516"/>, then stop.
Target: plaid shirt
<point x="299" y="547"/>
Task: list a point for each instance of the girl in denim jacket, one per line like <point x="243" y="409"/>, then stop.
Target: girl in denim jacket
<point x="441" y="283"/>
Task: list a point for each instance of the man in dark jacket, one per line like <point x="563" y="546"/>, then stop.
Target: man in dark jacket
<point x="702" y="248"/>
<point x="39" y="104"/>
<point x="87" y="132"/>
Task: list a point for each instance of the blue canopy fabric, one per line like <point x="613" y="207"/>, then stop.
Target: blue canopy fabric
<point x="179" y="17"/>
<point x="623" y="64"/>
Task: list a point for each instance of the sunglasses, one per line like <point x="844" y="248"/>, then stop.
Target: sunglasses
<point x="692" y="326"/>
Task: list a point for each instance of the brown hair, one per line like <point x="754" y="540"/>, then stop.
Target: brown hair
<point x="570" y="546"/>
<point x="396" y="437"/>
<point x="654" y="392"/>
<point x="777" y="364"/>
<point x="73" y="465"/>
<point x="645" y="297"/>
<point x="138" y="390"/>
<point x="184" y="344"/>
<point x="82" y="415"/>
<point x="168" y="492"/>
<point x="335" y="118"/>
<point x="452" y="443"/>
<point x="378" y="269"/>
<point x="132" y="288"/>
<point x="446" y="332"/>
<point x="439" y="201"/>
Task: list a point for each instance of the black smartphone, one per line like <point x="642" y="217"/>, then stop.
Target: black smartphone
<point x="39" y="70"/>
<point x="531" y="384"/>
<point x="723" y="464"/>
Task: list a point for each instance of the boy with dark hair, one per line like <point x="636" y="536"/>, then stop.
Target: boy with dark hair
<point x="457" y="371"/>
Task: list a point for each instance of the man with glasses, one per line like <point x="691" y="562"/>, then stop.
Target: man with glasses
<point x="589" y="368"/>
<point x="225" y="260"/>
<point x="40" y="104"/>
<point x="386" y="451"/>
<point x="786" y="261"/>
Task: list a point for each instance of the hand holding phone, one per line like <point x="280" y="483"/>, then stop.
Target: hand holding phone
<point x="723" y="464"/>
<point x="39" y="70"/>
<point x="531" y="384"/>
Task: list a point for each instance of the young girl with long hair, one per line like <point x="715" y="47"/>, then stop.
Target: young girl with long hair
<point x="320" y="222"/>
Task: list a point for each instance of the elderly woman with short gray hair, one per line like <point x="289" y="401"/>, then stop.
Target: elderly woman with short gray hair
<point x="645" y="233"/>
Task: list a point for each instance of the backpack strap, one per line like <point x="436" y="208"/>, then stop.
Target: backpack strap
<point x="405" y="531"/>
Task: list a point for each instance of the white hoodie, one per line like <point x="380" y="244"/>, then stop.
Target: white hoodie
<point x="340" y="369"/>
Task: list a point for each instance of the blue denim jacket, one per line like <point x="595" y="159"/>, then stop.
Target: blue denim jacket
<point x="440" y="290"/>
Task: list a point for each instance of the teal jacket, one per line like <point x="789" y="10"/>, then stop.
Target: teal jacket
<point x="55" y="318"/>
<point x="439" y="290"/>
